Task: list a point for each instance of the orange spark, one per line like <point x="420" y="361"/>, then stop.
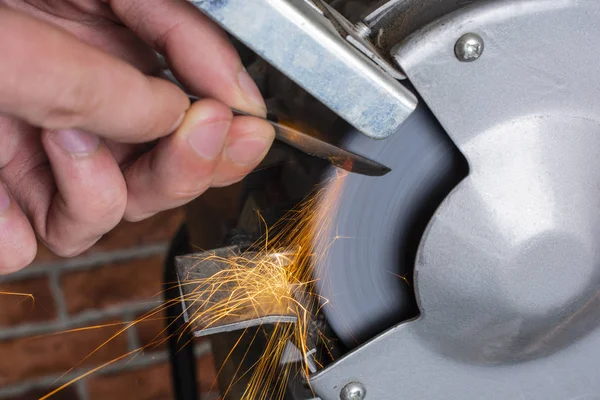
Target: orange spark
<point x="279" y="275"/>
<point x="286" y="280"/>
<point x="28" y="295"/>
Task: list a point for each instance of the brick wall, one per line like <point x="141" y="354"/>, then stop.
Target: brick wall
<point x="102" y="291"/>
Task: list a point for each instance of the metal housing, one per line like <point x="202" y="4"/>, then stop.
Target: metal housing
<point x="507" y="273"/>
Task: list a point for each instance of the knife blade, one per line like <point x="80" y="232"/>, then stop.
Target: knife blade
<point x="315" y="147"/>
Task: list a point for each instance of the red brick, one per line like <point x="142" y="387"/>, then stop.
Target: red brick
<point x="68" y="393"/>
<point x="27" y="358"/>
<point x="152" y="333"/>
<point x="207" y="374"/>
<point x="150" y="383"/>
<point x="116" y="283"/>
<point x="157" y="229"/>
<point x="17" y="309"/>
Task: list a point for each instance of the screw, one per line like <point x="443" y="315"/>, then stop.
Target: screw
<point x="469" y="47"/>
<point x="353" y="391"/>
<point x="363" y="30"/>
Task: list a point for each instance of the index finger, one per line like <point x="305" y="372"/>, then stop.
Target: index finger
<point x="201" y="55"/>
<point x="52" y="80"/>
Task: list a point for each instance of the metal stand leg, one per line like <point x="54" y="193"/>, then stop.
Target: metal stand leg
<point x="181" y="344"/>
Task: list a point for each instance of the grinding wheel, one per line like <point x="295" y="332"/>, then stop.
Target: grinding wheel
<point x="366" y="274"/>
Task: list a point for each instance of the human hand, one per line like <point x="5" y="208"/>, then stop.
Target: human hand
<point x="86" y="126"/>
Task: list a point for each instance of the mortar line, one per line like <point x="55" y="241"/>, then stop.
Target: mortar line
<point x="46" y="382"/>
<point x="132" y="363"/>
<point x="84" y="319"/>
<point x="89" y="262"/>
<point x="82" y="391"/>
<point x="203" y="348"/>
<point x="133" y="341"/>
<point x="58" y="296"/>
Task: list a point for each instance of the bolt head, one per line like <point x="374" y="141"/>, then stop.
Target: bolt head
<point x="353" y="391"/>
<point x="469" y="47"/>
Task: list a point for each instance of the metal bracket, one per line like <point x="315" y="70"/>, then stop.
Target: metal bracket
<point x="298" y="40"/>
<point x="199" y="292"/>
<point x="358" y="36"/>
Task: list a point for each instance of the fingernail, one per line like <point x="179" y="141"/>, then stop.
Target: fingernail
<point x="249" y="87"/>
<point x="4" y="198"/>
<point x="76" y="142"/>
<point x="208" y="139"/>
<point x="177" y="123"/>
<point x="248" y="151"/>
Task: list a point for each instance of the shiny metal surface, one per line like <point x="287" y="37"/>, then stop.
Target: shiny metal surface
<point x="469" y="47"/>
<point x="363" y="30"/>
<point x="337" y="156"/>
<point x="300" y="42"/>
<point x="353" y="391"/>
<point x="358" y="36"/>
<point x="508" y="271"/>
<point x="392" y="21"/>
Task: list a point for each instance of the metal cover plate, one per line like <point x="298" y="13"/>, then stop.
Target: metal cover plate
<point x="296" y="39"/>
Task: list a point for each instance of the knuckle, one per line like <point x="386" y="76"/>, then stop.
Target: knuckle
<point x="10" y="134"/>
<point x="64" y="249"/>
<point x="180" y="190"/>
<point x="147" y="125"/>
<point x="62" y="243"/>
<point x="187" y="192"/>
<point x="138" y="216"/>
<point x="134" y="12"/>
<point x="228" y="181"/>
<point x="71" y="106"/>
<point x="107" y="205"/>
<point x="139" y="13"/>
<point x="174" y="196"/>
